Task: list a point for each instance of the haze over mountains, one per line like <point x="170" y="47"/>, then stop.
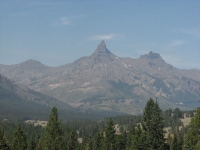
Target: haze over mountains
<point x="18" y="100"/>
<point x="104" y="81"/>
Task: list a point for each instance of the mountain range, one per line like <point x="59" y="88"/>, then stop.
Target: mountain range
<point x="104" y="81"/>
<point x="17" y="100"/>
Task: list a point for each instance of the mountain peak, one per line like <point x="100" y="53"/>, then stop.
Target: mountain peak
<point x="103" y="43"/>
<point x="151" y="55"/>
<point x="32" y="64"/>
<point x="102" y="48"/>
<point x="31" y="61"/>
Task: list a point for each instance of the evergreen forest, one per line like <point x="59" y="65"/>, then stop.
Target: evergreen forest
<point x="124" y="132"/>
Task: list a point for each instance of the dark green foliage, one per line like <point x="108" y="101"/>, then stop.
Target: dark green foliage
<point x="15" y="108"/>
<point x="72" y="144"/>
<point x="124" y="139"/>
<point x="127" y="119"/>
<point x="153" y="125"/>
<point x="32" y="133"/>
<point x="98" y="141"/>
<point x="109" y="142"/>
<point x="3" y="141"/>
<point x="39" y="144"/>
<point x="100" y="135"/>
<point x="174" y="143"/>
<point x="191" y="114"/>
<point x="168" y="118"/>
<point x="119" y="142"/>
<point x="192" y="138"/>
<point x="172" y="119"/>
<point x="53" y="136"/>
<point x="31" y="144"/>
<point x="138" y="139"/>
<point x="90" y="144"/>
<point x="175" y="140"/>
<point x="180" y="137"/>
<point x="19" y="139"/>
<point x="177" y="113"/>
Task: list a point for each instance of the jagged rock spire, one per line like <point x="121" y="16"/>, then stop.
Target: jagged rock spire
<point x="102" y="48"/>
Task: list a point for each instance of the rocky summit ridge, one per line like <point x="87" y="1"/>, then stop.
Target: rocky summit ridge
<point x="104" y="81"/>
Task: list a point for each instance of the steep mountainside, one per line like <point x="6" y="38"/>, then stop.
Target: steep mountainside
<point x="104" y="81"/>
<point x="19" y="101"/>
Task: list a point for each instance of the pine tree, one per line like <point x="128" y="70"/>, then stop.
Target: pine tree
<point x="98" y="141"/>
<point x="119" y="142"/>
<point x="124" y="139"/>
<point x="19" y="139"/>
<point x="138" y="139"/>
<point x="31" y="144"/>
<point x="109" y="140"/>
<point x="72" y="144"/>
<point x="197" y="147"/>
<point x="39" y="144"/>
<point x="90" y="144"/>
<point x="180" y="138"/>
<point x="153" y="125"/>
<point x="129" y="137"/>
<point x="192" y="137"/>
<point x="53" y="135"/>
<point x="3" y="141"/>
<point x="174" y="145"/>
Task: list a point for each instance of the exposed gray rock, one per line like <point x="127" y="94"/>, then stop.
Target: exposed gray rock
<point x="105" y="81"/>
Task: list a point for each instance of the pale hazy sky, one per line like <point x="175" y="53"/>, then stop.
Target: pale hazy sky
<point x="59" y="32"/>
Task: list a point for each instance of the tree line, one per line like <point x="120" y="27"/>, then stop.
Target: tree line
<point x="141" y="133"/>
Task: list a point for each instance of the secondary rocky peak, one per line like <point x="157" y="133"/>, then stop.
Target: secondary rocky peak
<point x="33" y="65"/>
<point x="102" y="48"/>
<point x="151" y="55"/>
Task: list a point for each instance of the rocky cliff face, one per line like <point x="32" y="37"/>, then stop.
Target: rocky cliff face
<point x="105" y="81"/>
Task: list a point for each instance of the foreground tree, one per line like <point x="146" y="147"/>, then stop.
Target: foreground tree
<point x="19" y="139"/>
<point x="192" y="138"/>
<point x="53" y="136"/>
<point x="3" y="141"/>
<point x="153" y="125"/>
<point x="109" y="140"/>
<point x="72" y="144"/>
<point x="98" y="141"/>
<point x="31" y="144"/>
<point x="174" y="143"/>
<point x="120" y="143"/>
<point x="138" y="139"/>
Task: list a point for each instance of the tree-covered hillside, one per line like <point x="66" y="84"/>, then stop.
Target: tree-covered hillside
<point x="117" y="133"/>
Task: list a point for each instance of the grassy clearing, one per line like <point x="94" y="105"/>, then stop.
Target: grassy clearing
<point x="186" y="121"/>
<point x="37" y="122"/>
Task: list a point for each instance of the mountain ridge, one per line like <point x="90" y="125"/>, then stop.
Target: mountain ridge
<point x="105" y="81"/>
<point x="18" y="101"/>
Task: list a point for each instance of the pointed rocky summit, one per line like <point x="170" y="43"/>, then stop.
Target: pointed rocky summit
<point x="102" y="54"/>
<point x="102" y="48"/>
